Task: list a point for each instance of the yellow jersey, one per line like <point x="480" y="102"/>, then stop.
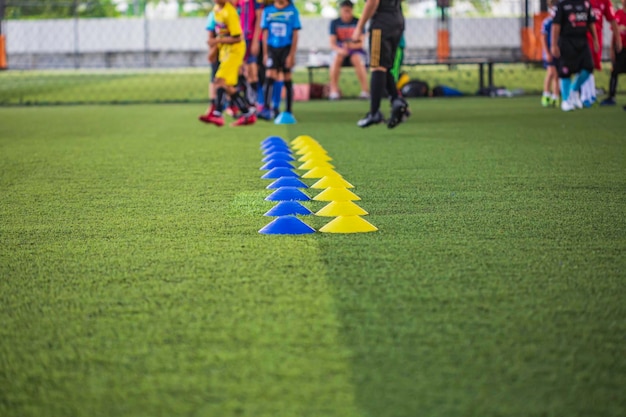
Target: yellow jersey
<point x="227" y="23"/>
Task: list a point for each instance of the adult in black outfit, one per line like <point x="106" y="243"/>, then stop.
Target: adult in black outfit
<point x="386" y="28"/>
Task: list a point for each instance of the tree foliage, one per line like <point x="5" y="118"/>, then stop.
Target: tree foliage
<point x="59" y="9"/>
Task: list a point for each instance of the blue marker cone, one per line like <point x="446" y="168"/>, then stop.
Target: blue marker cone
<point x="279" y="156"/>
<point x="273" y="139"/>
<point x="287" y="182"/>
<point x="276" y="164"/>
<point x="285" y="118"/>
<point x="287" y="225"/>
<point x="288" y="208"/>
<point x="287" y="194"/>
<point x="278" y="144"/>
<point x="275" y="148"/>
<point x="279" y="172"/>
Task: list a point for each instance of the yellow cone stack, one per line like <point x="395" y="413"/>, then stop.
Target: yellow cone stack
<point x="335" y="189"/>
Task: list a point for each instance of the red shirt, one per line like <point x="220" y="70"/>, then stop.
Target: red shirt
<point x="602" y="9"/>
<point x="620" y="19"/>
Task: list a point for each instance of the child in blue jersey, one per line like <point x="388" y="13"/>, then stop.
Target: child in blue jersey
<point x="280" y="23"/>
<point x="551" y="91"/>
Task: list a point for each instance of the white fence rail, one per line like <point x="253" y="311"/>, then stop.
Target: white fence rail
<point x="136" y="42"/>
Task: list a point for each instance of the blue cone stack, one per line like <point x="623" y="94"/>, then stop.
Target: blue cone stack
<point x="287" y="190"/>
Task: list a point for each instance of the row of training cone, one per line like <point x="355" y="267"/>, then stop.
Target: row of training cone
<point x="280" y="160"/>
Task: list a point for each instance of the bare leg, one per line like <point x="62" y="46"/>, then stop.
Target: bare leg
<point x="556" y="88"/>
<point x="547" y="79"/>
<point x="335" y="69"/>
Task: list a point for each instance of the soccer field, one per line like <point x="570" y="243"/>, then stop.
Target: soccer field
<point x="134" y="282"/>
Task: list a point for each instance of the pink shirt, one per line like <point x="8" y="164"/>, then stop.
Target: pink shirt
<point x="247" y="13"/>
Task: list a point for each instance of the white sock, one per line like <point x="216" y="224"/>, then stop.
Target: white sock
<point x="588" y="89"/>
<point x="546" y="94"/>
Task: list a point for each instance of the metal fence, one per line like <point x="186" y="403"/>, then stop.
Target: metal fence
<point x="103" y="39"/>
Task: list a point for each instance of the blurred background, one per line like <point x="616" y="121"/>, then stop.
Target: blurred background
<point x="107" y="51"/>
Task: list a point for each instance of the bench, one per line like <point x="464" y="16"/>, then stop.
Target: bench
<point x="480" y="62"/>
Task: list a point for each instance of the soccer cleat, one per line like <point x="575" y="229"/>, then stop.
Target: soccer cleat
<point x="212" y="118"/>
<point x="266" y="114"/>
<point x="575" y="100"/>
<point x="370" y="119"/>
<point x="245" y="120"/>
<point x="610" y="101"/>
<point x="399" y="112"/>
<point x="555" y="102"/>
<point x="566" y="105"/>
<point x="334" y="96"/>
<point x="545" y="101"/>
<point x="364" y="95"/>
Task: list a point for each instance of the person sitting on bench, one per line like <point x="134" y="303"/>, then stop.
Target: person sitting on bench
<point x="346" y="52"/>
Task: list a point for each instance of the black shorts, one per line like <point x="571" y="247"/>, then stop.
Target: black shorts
<point x="384" y="41"/>
<point x="619" y="66"/>
<point x="575" y="57"/>
<point x="277" y="58"/>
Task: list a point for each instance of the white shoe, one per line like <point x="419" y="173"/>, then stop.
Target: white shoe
<point x="574" y="97"/>
<point x="364" y="95"/>
<point x="566" y="105"/>
<point x="334" y="96"/>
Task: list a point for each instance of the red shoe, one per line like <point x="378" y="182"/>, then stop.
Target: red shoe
<point x="245" y="120"/>
<point x="212" y="118"/>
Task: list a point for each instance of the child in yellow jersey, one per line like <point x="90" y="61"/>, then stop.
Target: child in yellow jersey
<point x="232" y="48"/>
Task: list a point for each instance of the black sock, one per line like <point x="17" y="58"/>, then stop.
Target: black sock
<point x="613" y="84"/>
<point x="269" y="89"/>
<point x="377" y="87"/>
<point x="242" y="83"/>
<point x="221" y="97"/>
<point x="240" y="102"/>
<point x="392" y="90"/>
<point x="289" y="92"/>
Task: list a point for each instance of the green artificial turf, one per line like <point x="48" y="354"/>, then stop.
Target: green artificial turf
<point x="134" y="282"/>
<point x="190" y="85"/>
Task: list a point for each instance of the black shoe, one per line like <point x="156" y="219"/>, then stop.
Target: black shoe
<point x="399" y="112"/>
<point x="610" y="101"/>
<point x="370" y="119"/>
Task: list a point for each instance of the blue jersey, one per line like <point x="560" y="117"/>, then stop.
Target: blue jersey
<point x="210" y="22"/>
<point x="343" y="30"/>
<point x="280" y="25"/>
<point x="546" y="30"/>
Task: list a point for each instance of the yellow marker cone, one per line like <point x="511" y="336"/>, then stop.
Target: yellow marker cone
<point x="311" y="148"/>
<point x="315" y="163"/>
<point x="327" y="182"/>
<point x="320" y="173"/>
<point x="322" y="156"/>
<point x="336" y="194"/>
<point x="348" y="224"/>
<point x="302" y="140"/>
<point x="341" y="208"/>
